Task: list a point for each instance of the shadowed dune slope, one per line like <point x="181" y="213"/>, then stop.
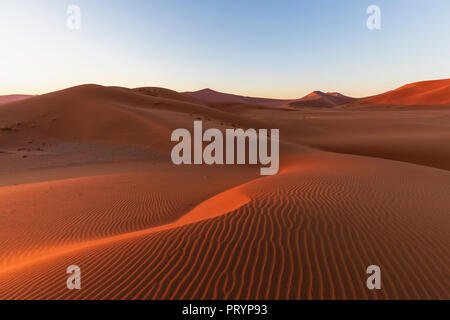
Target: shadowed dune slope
<point x="167" y="93"/>
<point x="13" y="97"/>
<point x="209" y="95"/>
<point x="141" y="227"/>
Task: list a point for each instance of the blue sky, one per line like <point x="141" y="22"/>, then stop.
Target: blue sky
<point x="253" y="47"/>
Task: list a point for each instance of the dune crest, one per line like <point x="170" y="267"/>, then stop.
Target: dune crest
<point x="424" y="93"/>
<point x="220" y="204"/>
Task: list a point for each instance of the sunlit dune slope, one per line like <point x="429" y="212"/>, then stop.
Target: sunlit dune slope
<point x="319" y="99"/>
<point x="42" y="215"/>
<point x="424" y="93"/>
<point x="307" y="233"/>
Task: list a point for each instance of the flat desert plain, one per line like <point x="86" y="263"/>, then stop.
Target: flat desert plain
<point x="86" y="179"/>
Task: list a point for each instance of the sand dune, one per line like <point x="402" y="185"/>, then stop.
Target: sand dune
<point x="134" y="201"/>
<point x="424" y="93"/>
<point x="168" y="94"/>
<point x="13" y="97"/>
<point x="316" y="235"/>
<point x="355" y="188"/>
<point x="314" y="99"/>
<point x="209" y="95"/>
<point x="92" y="113"/>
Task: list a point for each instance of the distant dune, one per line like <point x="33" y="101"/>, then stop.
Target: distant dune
<point x="13" y="97"/>
<point x="105" y="114"/>
<point x="424" y="93"/>
<point x="86" y="179"/>
<point x="215" y="96"/>
<point x="319" y="99"/>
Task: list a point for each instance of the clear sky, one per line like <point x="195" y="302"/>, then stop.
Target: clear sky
<point x="262" y="48"/>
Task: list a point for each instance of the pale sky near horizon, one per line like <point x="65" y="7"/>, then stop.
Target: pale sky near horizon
<point x="280" y="49"/>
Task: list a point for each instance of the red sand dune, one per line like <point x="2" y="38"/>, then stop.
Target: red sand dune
<point x="424" y="93"/>
<point x="305" y="227"/>
<point x="168" y="94"/>
<point x="314" y="99"/>
<point x="13" y="97"/>
<point x="321" y="100"/>
<point x="209" y="95"/>
<point x="102" y="193"/>
<point x="92" y="113"/>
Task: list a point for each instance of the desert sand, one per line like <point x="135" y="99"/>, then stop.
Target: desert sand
<point x="13" y="97"/>
<point x="86" y="179"/>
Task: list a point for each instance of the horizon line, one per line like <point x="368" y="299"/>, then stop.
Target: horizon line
<point x="218" y="91"/>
